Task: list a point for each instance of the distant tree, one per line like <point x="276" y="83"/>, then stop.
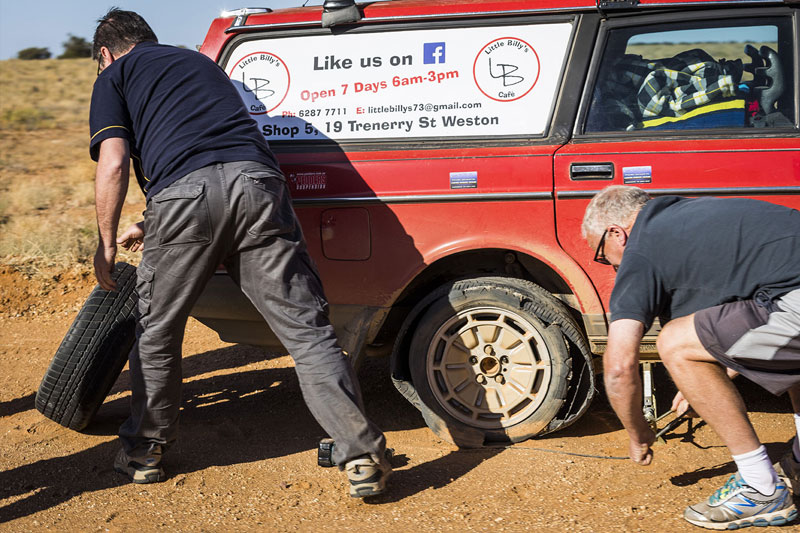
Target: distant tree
<point x="34" y="53"/>
<point x="76" y="47"/>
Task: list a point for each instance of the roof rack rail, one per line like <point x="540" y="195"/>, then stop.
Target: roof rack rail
<point x="608" y="5"/>
<point x="242" y="13"/>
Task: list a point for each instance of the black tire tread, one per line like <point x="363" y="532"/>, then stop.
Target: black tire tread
<point x="92" y="354"/>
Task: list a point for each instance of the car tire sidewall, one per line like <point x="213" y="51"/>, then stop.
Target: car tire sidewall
<point x="493" y="294"/>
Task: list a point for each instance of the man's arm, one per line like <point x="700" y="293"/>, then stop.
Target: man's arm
<point x="624" y="386"/>
<point x="111" y="186"/>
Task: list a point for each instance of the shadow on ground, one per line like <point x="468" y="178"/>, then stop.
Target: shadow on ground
<point x="774" y="449"/>
<point x="17" y="405"/>
<point x="242" y="416"/>
<point x="231" y="418"/>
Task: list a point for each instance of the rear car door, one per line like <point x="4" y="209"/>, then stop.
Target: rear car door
<point x="693" y="103"/>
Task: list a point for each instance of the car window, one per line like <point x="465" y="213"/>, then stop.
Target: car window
<point x="674" y="77"/>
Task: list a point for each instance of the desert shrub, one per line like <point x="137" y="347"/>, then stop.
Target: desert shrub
<point x="34" y="53"/>
<point x="76" y="47"/>
<point x="25" y="118"/>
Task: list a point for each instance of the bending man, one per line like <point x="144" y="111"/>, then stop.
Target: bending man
<point x="214" y="195"/>
<point x="723" y="277"/>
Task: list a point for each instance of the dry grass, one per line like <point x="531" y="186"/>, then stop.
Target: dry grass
<point x="46" y="176"/>
<point x="52" y="92"/>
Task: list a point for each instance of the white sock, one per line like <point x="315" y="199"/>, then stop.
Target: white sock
<point x="796" y="444"/>
<point x="756" y="470"/>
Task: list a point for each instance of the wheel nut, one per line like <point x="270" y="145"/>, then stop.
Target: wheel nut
<point x="481" y="379"/>
<point x="504" y="359"/>
<point x="488" y="350"/>
<point x="473" y="360"/>
<point x="500" y="379"/>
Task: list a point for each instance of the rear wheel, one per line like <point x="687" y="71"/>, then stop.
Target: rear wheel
<point x="489" y="361"/>
<point x="92" y="354"/>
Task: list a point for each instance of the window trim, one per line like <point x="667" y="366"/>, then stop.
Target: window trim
<point x="625" y="21"/>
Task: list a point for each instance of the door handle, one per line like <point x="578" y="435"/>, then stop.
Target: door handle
<point x="591" y="171"/>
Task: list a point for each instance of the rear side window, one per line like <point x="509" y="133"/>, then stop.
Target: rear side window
<point x="687" y="76"/>
<point x="446" y="82"/>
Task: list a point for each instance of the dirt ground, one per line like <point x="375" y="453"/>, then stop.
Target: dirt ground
<point x="246" y="459"/>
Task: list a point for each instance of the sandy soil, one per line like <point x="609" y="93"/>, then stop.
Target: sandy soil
<point x="246" y="459"/>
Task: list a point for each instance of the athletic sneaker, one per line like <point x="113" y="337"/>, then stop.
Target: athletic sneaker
<point x="367" y="478"/>
<point x="789" y="471"/>
<point x="140" y="469"/>
<point x="737" y="505"/>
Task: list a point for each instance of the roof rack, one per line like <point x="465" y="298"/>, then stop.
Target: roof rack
<point x="609" y="5"/>
<point x="242" y="13"/>
<point x="333" y="12"/>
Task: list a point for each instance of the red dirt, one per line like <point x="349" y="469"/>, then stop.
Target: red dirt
<point x="246" y="457"/>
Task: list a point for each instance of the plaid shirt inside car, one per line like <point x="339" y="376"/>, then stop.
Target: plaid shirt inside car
<point x="641" y="88"/>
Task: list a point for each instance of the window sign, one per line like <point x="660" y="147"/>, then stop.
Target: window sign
<point x="426" y="83"/>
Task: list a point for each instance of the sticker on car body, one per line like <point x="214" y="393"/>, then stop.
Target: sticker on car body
<point x="637" y="175"/>
<point x="463" y="180"/>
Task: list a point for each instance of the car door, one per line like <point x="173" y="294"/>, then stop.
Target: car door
<point x="694" y="103"/>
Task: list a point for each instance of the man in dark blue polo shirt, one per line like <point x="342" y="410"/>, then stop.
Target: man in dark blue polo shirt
<point x="723" y="277"/>
<point x="214" y="195"/>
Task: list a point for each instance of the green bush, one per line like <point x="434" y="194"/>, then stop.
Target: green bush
<point x="34" y="53"/>
<point x="75" y="47"/>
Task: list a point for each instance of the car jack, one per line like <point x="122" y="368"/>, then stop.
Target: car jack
<point x="649" y="407"/>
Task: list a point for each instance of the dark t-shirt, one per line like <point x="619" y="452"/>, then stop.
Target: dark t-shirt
<point x="684" y="255"/>
<point x="179" y="112"/>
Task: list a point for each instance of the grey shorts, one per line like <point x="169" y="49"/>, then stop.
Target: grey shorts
<point x="763" y="344"/>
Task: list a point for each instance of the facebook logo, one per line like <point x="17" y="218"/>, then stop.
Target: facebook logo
<point x="432" y="53"/>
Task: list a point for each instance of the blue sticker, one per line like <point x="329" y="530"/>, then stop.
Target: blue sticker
<point x="637" y="174"/>
<point x="463" y="180"/>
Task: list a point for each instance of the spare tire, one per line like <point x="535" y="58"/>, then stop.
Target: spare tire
<point x="92" y="354"/>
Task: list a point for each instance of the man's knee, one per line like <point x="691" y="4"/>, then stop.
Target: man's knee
<point x="678" y="341"/>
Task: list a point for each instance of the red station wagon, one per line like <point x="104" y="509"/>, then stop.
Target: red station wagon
<point x="441" y="154"/>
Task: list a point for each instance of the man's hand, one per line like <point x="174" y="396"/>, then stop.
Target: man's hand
<point x="680" y="406"/>
<point x="132" y="238"/>
<point x="639" y="447"/>
<point x="104" y="266"/>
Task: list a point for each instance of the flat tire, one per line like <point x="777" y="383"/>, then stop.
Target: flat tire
<point x="490" y="361"/>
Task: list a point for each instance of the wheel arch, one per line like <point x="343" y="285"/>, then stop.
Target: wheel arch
<point x="556" y="272"/>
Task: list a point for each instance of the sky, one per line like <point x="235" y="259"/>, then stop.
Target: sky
<point x="48" y="23"/>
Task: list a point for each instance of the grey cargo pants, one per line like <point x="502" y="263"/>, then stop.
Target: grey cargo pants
<point x="240" y="215"/>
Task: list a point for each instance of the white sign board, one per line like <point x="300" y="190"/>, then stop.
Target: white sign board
<point x="411" y="83"/>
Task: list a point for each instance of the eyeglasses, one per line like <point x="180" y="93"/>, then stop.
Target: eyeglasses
<point x="600" y="254"/>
